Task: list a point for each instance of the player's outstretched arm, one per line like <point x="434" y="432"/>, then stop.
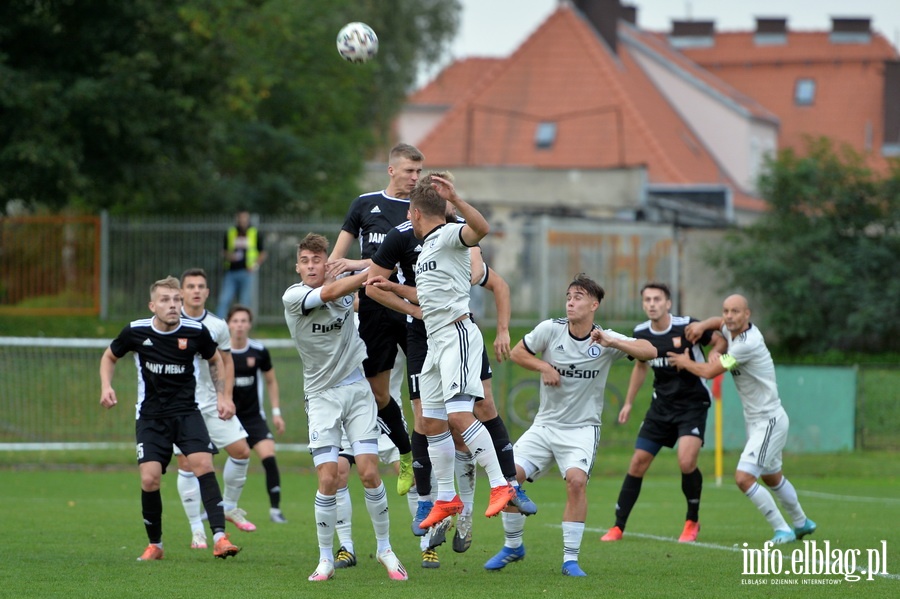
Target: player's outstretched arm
<point x="706" y="370"/>
<point x="107" y="369"/>
<point x="343" y="286"/>
<point x="476" y="226"/>
<point x="695" y="330"/>
<point x="639" y="349"/>
<point x="524" y="358"/>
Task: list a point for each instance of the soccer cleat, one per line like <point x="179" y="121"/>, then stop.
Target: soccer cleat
<point x="224" y="548"/>
<point x="439" y="533"/>
<point x="613" y="534"/>
<point x="571" y="568"/>
<point x="344" y="559"/>
<point x="421" y="513"/>
<point x="405" y="480"/>
<point x="152" y="552"/>
<point x="237" y="516"/>
<point x="395" y="569"/>
<point x="808" y="528"/>
<point x="526" y="506"/>
<point x="507" y="555"/>
<point x="689" y="534"/>
<point x="441" y="510"/>
<point x="276" y="516"/>
<point x="324" y="571"/>
<point x="430" y="559"/>
<point x="462" y="540"/>
<point x="500" y="497"/>
<point x="783" y="536"/>
<point x="199" y="540"/>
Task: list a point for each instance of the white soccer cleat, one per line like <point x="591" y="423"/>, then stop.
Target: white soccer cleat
<point x="392" y="564"/>
<point x="237" y="516"/>
<point x="324" y="571"/>
<point x="199" y="540"/>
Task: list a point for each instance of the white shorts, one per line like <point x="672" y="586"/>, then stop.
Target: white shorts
<point x="349" y="408"/>
<point x="452" y="365"/>
<point x="765" y="442"/>
<point x="221" y="432"/>
<point x="540" y="446"/>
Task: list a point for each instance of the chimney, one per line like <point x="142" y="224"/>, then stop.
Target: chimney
<point x="629" y="13"/>
<point x="692" y="34"/>
<point x="604" y="16"/>
<point x="770" y="31"/>
<point x="850" y="30"/>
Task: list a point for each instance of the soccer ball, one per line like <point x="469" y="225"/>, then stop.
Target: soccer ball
<point x="357" y="42"/>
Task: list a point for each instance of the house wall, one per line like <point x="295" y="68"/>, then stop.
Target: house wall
<point x="415" y="122"/>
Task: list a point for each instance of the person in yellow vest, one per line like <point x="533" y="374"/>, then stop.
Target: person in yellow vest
<point x="244" y="254"/>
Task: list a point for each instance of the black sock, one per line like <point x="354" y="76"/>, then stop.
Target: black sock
<point x="391" y="420"/>
<point x="421" y="463"/>
<point x="273" y="481"/>
<point x="628" y="496"/>
<point x="503" y="446"/>
<point x="151" y="508"/>
<point x="212" y="500"/>
<point x="692" y="486"/>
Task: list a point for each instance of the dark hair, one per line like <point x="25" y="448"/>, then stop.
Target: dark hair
<point x="589" y="285"/>
<point x="314" y="243"/>
<point x="428" y="201"/>
<point x="654" y="285"/>
<point x="407" y="151"/>
<point x="239" y="308"/>
<point x="195" y="272"/>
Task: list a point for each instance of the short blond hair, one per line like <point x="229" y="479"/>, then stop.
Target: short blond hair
<point x="169" y="282"/>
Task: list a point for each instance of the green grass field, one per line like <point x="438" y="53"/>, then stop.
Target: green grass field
<point x="75" y="531"/>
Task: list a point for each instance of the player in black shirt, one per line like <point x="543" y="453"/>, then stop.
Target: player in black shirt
<point x="370" y="218"/>
<point x="677" y="411"/>
<point x="167" y="413"/>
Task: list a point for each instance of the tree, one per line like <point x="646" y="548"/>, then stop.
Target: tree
<point x="824" y="257"/>
<point x="202" y="105"/>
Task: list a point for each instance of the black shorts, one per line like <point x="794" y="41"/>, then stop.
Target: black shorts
<point x="256" y="427"/>
<point x="666" y="429"/>
<point x="417" y="347"/>
<point x="382" y="330"/>
<point x="156" y="437"/>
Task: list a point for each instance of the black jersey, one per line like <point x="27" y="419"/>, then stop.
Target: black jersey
<point x="401" y="249"/>
<point x="166" y="363"/>
<point x="673" y="388"/>
<point x="370" y="218"/>
<point x="248" y="383"/>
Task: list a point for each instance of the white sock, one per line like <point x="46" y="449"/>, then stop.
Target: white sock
<point x="440" y="450"/>
<point x="764" y="502"/>
<point x="572" y="533"/>
<point x="344" y="519"/>
<point x="326" y="516"/>
<point x="189" y="491"/>
<point x="234" y="476"/>
<point x="787" y="495"/>
<point x="465" y="478"/>
<point x="412" y="501"/>
<point x="478" y="440"/>
<point x="377" y="504"/>
<point x="513" y="529"/>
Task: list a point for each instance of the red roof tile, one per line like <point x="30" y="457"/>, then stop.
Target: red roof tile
<point x="454" y="81"/>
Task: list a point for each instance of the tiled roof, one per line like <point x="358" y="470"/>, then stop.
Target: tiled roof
<point x="453" y="82"/>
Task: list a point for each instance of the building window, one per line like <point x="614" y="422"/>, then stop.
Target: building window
<point x="545" y="135"/>
<point x="805" y="92"/>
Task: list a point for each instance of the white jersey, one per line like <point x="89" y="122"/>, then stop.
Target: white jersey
<point x="583" y="367"/>
<point x="326" y="337"/>
<point x="443" y="276"/>
<point x="206" y="390"/>
<point x="751" y="367"/>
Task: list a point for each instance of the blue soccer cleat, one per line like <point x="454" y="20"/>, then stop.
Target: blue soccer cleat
<point x="421" y="513"/>
<point x="808" y="528"/>
<point x="783" y="536"/>
<point x="525" y="505"/>
<point x="571" y="568"/>
<point x="507" y="555"/>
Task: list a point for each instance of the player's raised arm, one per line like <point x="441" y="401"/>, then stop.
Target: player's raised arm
<point x="476" y="227"/>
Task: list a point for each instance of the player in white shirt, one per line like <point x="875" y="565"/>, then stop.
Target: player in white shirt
<point x="751" y="367"/>
<point x="451" y="375"/>
<point x="227" y="435"/>
<point x="319" y="313"/>
<point x="576" y="355"/>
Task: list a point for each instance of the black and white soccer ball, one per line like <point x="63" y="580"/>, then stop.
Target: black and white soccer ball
<point x="356" y="42"/>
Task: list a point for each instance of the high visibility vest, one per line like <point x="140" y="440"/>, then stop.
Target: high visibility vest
<point x="252" y="251"/>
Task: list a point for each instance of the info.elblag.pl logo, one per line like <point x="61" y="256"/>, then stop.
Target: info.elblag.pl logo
<point x="812" y="563"/>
